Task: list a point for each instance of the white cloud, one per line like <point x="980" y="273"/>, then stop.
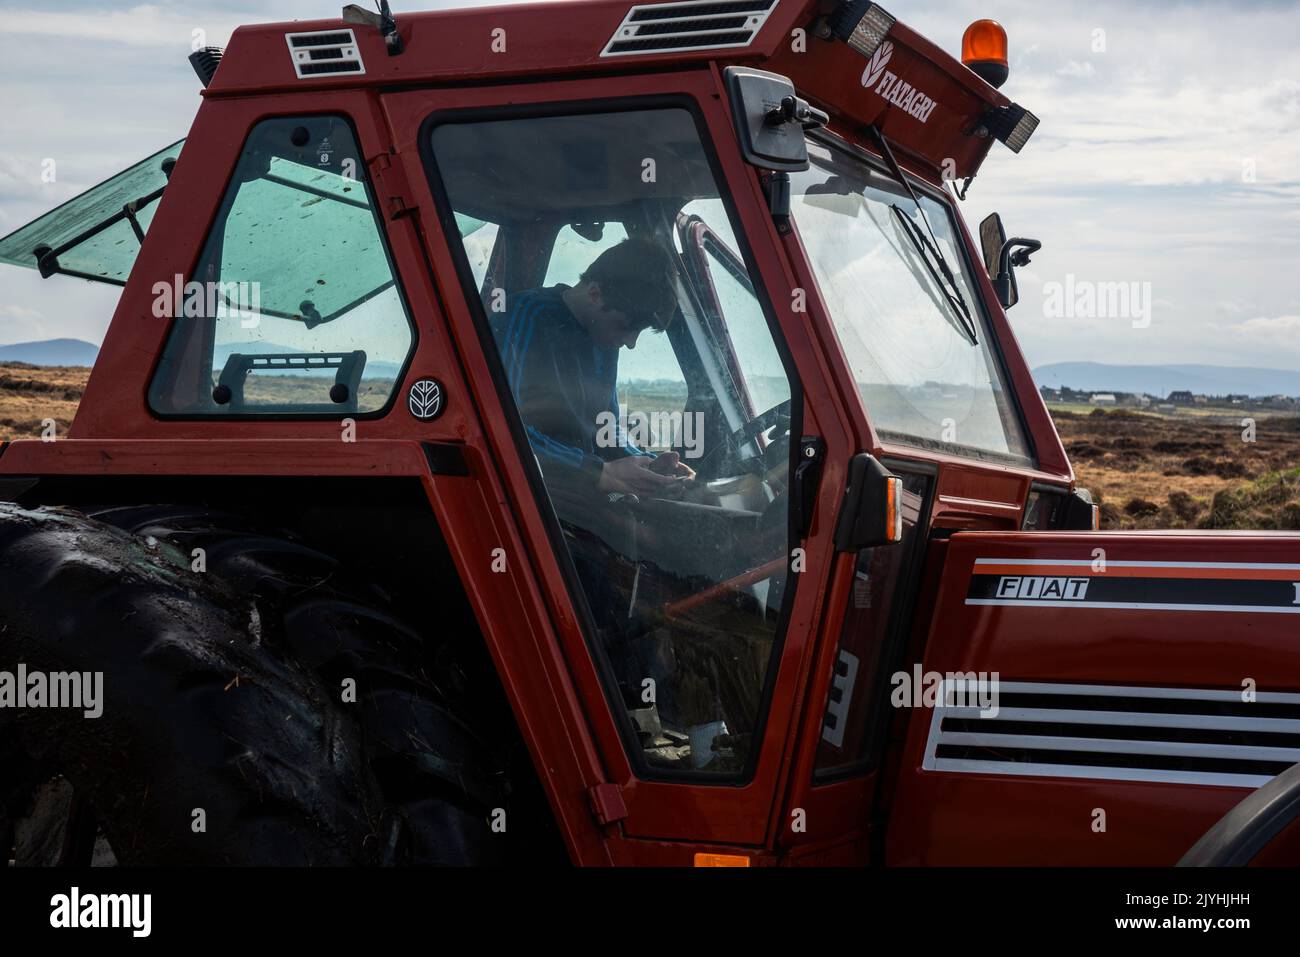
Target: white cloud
<point x="140" y="26"/>
<point x="1076" y="68"/>
<point x="1275" y="325"/>
<point x="21" y="323"/>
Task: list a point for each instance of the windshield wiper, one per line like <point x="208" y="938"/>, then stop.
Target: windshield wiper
<point x="925" y="250"/>
<point x="948" y="284"/>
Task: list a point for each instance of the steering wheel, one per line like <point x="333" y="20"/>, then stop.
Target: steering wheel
<point x="763" y="422"/>
<point x="777" y="452"/>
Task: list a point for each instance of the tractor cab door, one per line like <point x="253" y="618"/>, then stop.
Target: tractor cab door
<point x="1095" y="698"/>
<point x="686" y="607"/>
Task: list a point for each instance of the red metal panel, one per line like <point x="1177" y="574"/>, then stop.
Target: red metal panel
<point x="377" y="457"/>
<point x="977" y="818"/>
<point x="566" y="37"/>
<point x="833" y="75"/>
<point x="453" y="46"/>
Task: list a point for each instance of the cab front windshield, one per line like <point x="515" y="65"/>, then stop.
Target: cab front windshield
<point x="924" y="378"/>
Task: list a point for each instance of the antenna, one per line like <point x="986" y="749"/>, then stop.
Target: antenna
<point x="382" y="21"/>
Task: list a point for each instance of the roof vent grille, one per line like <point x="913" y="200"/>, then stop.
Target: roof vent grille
<point x="324" y="52"/>
<point x="690" y="25"/>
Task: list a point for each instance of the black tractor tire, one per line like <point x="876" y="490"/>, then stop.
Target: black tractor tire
<point x="254" y="681"/>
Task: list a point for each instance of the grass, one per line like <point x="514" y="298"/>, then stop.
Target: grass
<point x="1269" y="502"/>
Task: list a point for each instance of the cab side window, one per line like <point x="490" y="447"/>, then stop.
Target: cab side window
<point x="293" y="307"/>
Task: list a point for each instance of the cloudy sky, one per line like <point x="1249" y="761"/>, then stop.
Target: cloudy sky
<point x="1168" y="155"/>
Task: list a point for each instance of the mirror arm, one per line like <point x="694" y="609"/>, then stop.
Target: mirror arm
<point x="1024" y="248"/>
<point x="777" y="187"/>
<point x="1002" y="288"/>
<point x="794" y="109"/>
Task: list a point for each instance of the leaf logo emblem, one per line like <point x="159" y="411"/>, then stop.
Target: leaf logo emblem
<point x="425" y="399"/>
<point x="876" y="66"/>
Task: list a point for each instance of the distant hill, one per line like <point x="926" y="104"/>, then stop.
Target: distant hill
<point x="1162" y="379"/>
<point x="51" y="352"/>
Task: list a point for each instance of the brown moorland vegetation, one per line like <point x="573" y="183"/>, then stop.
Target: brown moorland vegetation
<point x="1190" y="469"/>
<point x="29" y="395"/>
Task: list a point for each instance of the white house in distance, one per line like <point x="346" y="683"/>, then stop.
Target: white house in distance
<point x="1102" y="398"/>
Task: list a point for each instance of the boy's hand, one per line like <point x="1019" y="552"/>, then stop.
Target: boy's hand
<point x="670" y="463"/>
<point x="632" y="475"/>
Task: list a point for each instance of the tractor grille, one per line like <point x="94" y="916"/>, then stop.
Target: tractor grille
<point x="692" y="25"/>
<point x="324" y="52"/>
<point x="1186" y="736"/>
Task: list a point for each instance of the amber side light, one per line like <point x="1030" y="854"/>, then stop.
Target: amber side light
<point x="894" y="509"/>
<point x="721" y="860"/>
<point x="984" y="50"/>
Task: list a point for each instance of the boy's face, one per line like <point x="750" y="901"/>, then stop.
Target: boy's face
<point x="608" y="326"/>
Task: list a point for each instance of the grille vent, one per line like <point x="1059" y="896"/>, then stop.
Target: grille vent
<point x="1180" y="735"/>
<point x="692" y="25"/>
<point x="324" y="52"/>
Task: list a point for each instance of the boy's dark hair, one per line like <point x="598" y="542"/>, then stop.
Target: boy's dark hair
<point x="636" y="278"/>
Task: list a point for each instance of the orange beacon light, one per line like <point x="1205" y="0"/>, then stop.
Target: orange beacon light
<point x="984" y="50"/>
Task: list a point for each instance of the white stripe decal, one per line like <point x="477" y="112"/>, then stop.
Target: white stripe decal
<point x="1155" y="606"/>
<point x="1086" y="562"/>
<point x="1129" y="719"/>
<point x="1137" y="691"/>
<point x="1194" y="749"/>
<point x="1110" y="774"/>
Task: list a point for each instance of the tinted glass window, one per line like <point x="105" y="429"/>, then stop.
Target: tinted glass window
<point x="108" y="254"/>
<point x="293" y="307"/>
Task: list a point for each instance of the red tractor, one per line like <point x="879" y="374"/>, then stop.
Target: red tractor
<point x="388" y="546"/>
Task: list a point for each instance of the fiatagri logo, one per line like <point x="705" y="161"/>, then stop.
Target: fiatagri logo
<point x="911" y="101"/>
<point x="876" y="67"/>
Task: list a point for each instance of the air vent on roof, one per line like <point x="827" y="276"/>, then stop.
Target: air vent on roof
<point x="324" y="52"/>
<point x="205" y="63"/>
<point x="692" y="25"/>
<point x="1181" y="735"/>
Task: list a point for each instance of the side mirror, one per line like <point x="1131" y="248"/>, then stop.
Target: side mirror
<point x="771" y="119"/>
<point x="992" y="238"/>
<point x="872" y="513"/>
<point x="999" y="259"/>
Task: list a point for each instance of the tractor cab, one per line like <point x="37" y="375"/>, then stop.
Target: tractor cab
<point x="701" y="399"/>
